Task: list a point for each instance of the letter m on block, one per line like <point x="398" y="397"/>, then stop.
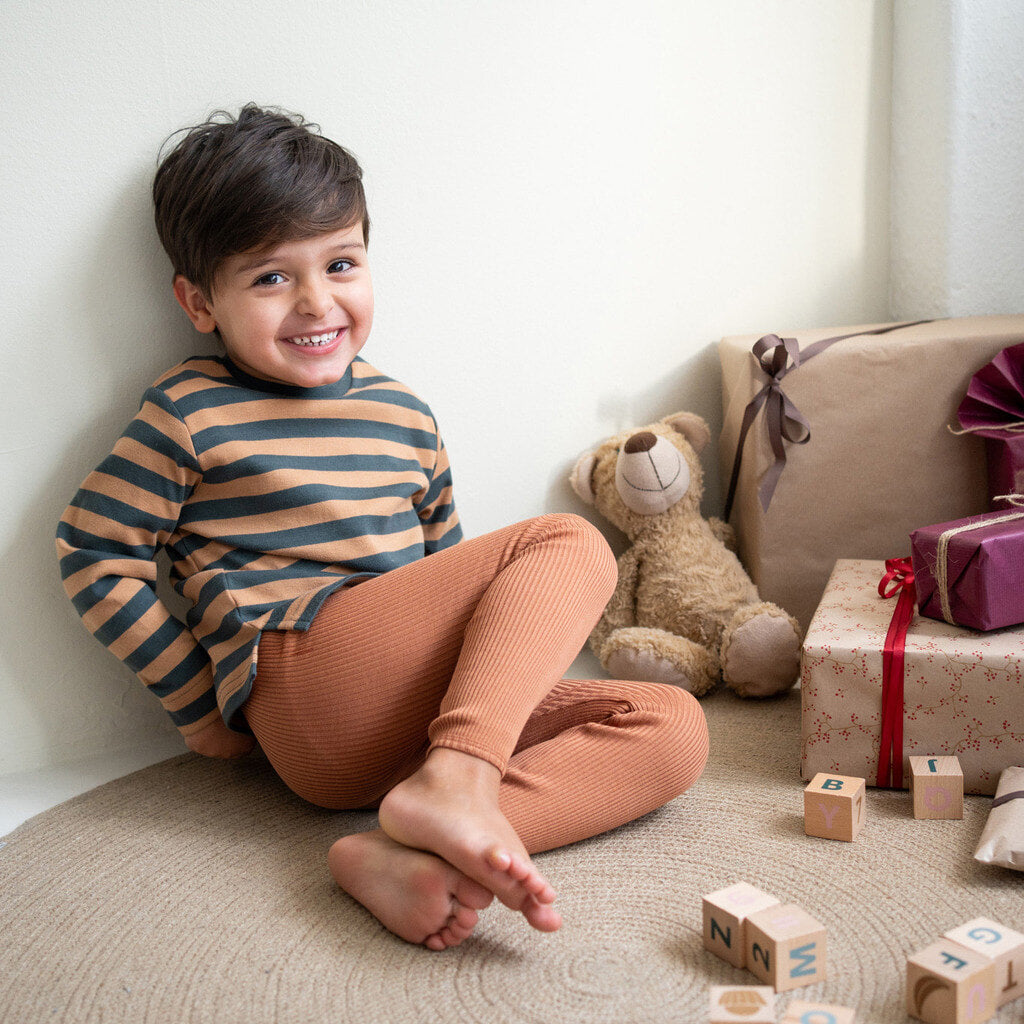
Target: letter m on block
<point x="805" y="961"/>
<point x="725" y="936"/>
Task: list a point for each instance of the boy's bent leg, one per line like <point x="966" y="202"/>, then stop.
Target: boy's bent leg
<point x="463" y="643"/>
<point x="600" y="753"/>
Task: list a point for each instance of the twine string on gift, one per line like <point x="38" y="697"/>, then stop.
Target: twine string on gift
<point x="942" y="549"/>
<point x="784" y="422"/>
<point x="1014" y="427"/>
<point x="898" y="580"/>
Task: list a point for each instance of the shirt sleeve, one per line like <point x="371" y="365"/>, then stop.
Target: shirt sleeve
<point x="107" y="541"/>
<point x="436" y="509"/>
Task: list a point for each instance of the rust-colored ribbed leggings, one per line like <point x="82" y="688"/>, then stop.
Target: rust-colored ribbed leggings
<point x="465" y="649"/>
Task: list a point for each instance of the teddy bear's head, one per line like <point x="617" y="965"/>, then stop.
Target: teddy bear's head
<point x="647" y="475"/>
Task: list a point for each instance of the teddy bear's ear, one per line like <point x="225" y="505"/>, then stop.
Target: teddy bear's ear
<point x="692" y="427"/>
<point x="580" y="478"/>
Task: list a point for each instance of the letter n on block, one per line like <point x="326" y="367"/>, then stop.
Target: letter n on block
<point x="725" y="913"/>
<point x="834" y="807"/>
<point x="786" y="947"/>
<point x="950" y="984"/>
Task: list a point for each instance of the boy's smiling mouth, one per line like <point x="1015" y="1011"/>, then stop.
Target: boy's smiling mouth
<point x="315" y="340"/>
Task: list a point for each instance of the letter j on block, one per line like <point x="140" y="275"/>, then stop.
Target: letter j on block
<point x="834" y="807"/>
<point x="937" y="787"/>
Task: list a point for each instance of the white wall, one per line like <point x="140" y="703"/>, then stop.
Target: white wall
<point x="572" y="201"/>
<point x="957" y="158"/>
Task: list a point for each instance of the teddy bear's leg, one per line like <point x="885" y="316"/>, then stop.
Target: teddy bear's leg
<point x="760" y="650"/>
<point x="656" y="656"/>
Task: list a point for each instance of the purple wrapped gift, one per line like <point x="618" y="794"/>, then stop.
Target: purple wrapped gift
<point x="969" y="572"/>
<point x="994" y="409"/>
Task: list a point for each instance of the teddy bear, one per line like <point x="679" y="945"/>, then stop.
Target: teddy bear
<point x="684" y="610"/>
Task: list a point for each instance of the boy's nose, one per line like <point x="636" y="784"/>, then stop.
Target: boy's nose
<point x="314" y="300"/>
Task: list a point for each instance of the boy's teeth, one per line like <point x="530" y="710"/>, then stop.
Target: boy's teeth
<point x="315" y="339"/>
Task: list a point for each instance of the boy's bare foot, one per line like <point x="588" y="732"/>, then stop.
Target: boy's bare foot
<point x="412" y="893"/>
<point x="450" y="807"/>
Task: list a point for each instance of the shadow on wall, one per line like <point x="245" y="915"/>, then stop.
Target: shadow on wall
<point x="79" y="700"/>
<point x="692" y="386"/>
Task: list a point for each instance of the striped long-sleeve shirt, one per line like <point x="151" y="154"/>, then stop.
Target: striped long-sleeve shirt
<point x="267" y="498"/>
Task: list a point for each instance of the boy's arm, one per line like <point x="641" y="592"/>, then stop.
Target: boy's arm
<point x="436" y="508"/>
<point x="107" y="541"/>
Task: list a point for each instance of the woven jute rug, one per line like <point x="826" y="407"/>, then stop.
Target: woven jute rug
<point x="197" y="891"/>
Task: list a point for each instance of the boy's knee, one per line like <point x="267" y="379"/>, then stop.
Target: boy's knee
<point x="590" y="543"/>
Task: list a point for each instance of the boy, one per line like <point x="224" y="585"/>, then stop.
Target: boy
<point x="298" y="492"/>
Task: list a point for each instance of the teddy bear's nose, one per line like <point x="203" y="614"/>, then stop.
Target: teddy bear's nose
<point x="642" y="442"/>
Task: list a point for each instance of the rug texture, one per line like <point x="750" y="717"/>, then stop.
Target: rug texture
<point x="196" y="891"/>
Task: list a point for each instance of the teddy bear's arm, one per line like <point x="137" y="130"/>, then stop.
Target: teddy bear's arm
<point x="621" y="609"/>
<point x="723" y="532"/>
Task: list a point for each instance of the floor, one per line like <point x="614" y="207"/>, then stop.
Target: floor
<point x="25" y="794"/>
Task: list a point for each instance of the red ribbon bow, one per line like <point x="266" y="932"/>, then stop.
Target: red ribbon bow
<point x="898" y="579"/>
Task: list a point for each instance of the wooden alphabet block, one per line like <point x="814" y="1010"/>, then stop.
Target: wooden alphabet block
<point x="799" y="1012"/>
<point x="834" y="807"/>
<point x="1003" y="946"/>
<point x="950" y="984"/>
<point x="755" y="1003"/>
<point x="785" y="947"/>
<point x="725" y="912"/>
<point x="937" y="787"/>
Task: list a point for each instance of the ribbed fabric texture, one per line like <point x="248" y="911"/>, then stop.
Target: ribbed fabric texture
<point x="466" y="649"/>
<point x="267" y="498"/>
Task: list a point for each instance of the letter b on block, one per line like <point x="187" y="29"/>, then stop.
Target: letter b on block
<point x="834" y="807"/>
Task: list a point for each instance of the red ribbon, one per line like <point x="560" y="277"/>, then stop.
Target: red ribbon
<point x="898" y="579"/>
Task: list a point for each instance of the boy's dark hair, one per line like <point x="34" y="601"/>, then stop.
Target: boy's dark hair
<point x="232" y="185"/>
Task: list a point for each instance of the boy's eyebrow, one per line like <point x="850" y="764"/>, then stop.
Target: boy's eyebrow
<point x="258" y="261"/>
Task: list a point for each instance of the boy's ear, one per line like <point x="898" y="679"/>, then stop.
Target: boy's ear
<point x="191" y="299"/>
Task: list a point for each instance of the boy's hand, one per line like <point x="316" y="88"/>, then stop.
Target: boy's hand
<point x="217" y="740"/>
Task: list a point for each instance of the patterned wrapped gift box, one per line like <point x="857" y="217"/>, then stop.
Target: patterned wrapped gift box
<point x="963" y="691"/>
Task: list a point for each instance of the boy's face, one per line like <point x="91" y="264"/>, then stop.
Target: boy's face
<point x="297" y="313"/>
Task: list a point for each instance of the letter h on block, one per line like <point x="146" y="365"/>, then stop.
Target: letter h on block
<point x="834" y="807"/>
<point x="937" y="787"/>
<point x="785" y="947"/>
<point x="725" y="913"/>
<point x="950" y="984"/>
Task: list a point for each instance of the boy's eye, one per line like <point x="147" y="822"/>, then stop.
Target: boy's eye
<point x="268" y="279"/>
<point x="340" y="266"/>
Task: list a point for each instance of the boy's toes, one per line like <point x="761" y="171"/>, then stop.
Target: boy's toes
<point x="473" y="894"/>
<point x="522" y="871"/>
<point x="541" y="916"/>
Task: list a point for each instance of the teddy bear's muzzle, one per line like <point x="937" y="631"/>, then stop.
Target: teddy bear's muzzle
<point x="651" y="474"/>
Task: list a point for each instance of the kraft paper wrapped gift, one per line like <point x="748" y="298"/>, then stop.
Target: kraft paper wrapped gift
<point x="969" y="572"/>
<point x="963" y="692"/>
<point x="880" y="458"/>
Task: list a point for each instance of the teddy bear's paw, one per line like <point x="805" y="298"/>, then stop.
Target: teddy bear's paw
<point x="655" y="656"/>
<point x="761" y="651"/>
